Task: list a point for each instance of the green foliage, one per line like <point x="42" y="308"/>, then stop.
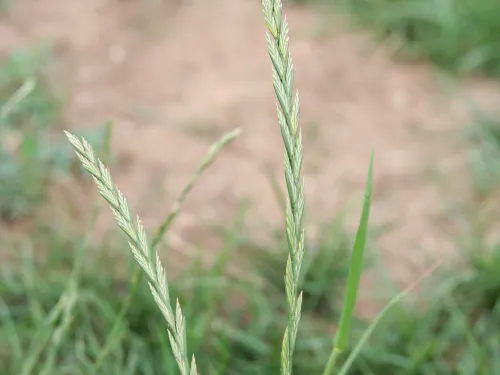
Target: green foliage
<point x="460" y="35"/>
<point x="483" y="138"/>
<point x="41" y="107"/>
<point x="456" y="334"/>
<point x="240" y="338"/>
<point x="5" y="6"/>
<point x="32" y="150"/>
<point x="29" y="111"/>
<point x="236" y="340"/>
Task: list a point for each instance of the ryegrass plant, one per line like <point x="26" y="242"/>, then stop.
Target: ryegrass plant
<point x="288" y="118"/>
<point x="94" y="324"/>
<point x="145" y="253"/>
<point x="148" y="258"/>
<point x="162" y="230"/>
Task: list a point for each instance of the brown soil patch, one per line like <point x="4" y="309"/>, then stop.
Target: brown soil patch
<point x="177" y="75"/>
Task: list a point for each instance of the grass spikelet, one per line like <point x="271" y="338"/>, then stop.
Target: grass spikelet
<point x="147" y="259"/>
<point x="288" y="118"/>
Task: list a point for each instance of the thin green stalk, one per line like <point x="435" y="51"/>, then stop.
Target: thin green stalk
<point x="160" y="233"/>
<point x="288" y="118"/>
<point x="207" y="161"/>
<point x="11" y="331"/>
<point x="43" y="334"/>
<point x="332" y="360"/>
<point x="21" y="93"/>
<point x="353" y="278"/>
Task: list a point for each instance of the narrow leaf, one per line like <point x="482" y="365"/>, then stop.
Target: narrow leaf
<point x="356" y="265"/>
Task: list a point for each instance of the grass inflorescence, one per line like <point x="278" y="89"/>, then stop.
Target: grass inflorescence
<point x="288" y="118"/>
<point x="145" y="253"/>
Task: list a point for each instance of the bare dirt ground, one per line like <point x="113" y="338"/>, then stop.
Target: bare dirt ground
<point x="177" y="75"/>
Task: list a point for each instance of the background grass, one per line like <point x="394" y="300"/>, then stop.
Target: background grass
<point x="33" y="150"/>
<point x="455" y="334"/>
<point x="462" y="36"/>
<point x="449" y="328"/>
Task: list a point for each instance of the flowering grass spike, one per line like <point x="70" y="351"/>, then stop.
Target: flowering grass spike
<point x="288" y="118"/>
<point x="148" y="260"/>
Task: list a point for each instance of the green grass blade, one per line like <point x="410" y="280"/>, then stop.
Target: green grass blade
<point x="10" y="105"/>
<point x="356" y="265"/>
<point x="354" y="275"/>
<point x="366" y="335"/>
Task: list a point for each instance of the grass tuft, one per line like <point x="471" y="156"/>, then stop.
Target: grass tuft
<point x="461" y="36"/>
